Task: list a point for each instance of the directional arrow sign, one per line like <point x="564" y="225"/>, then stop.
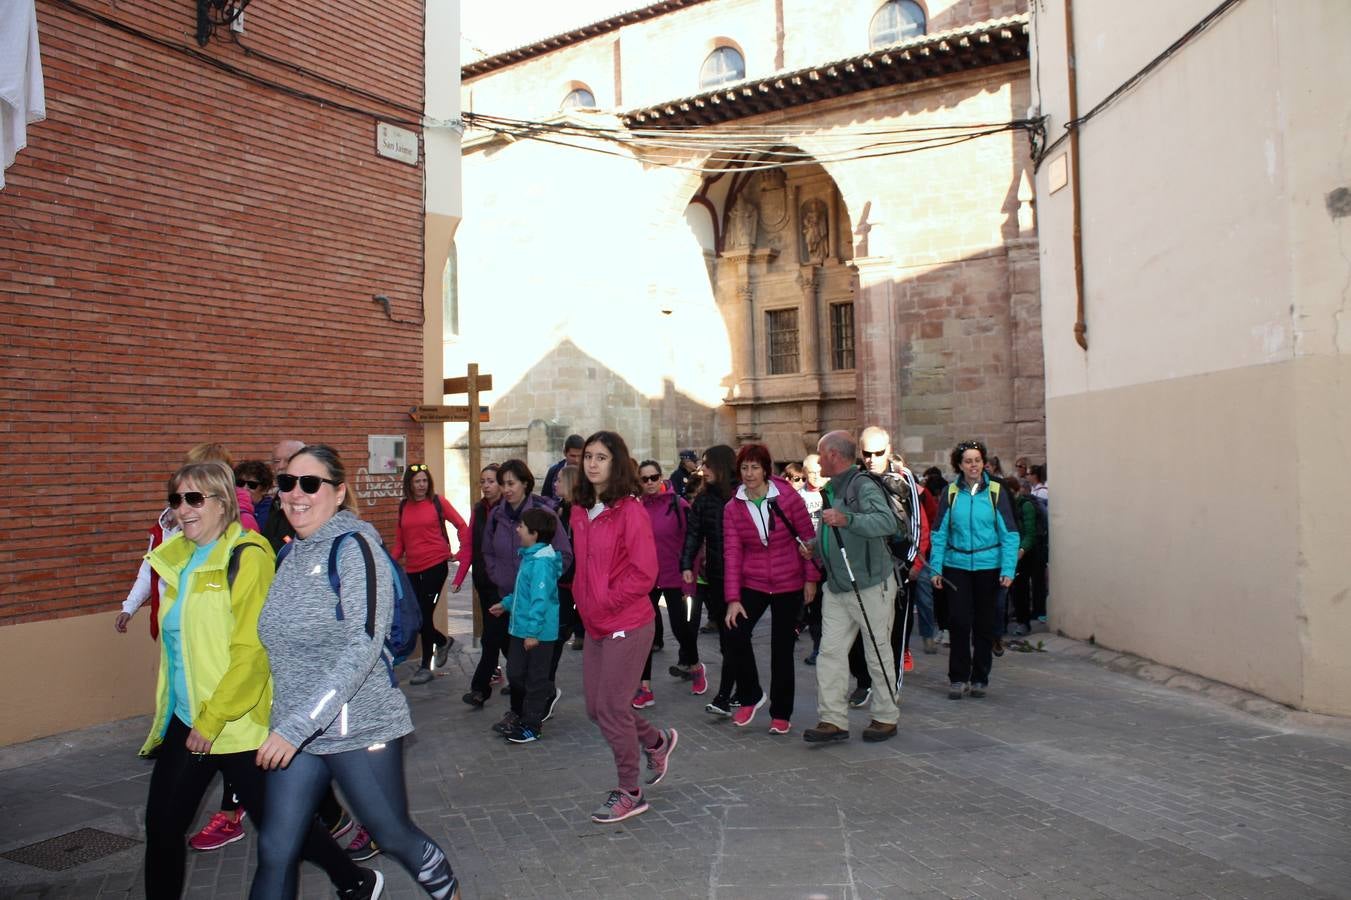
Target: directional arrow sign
<point x="431" y="414"/>
<point x="460" y="384"/>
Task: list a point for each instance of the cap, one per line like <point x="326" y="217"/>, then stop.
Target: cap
<point x="688" y="454"/>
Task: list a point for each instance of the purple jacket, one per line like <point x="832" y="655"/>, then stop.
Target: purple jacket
<point x="758" y="551"/>
<point x="668" y="513"/>
<point x="500" y="542"/>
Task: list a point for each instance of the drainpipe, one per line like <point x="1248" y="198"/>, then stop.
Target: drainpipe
<point x="1080" y="326"/>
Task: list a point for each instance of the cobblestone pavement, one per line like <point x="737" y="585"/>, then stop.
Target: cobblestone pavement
<point x="1069" y="780"/>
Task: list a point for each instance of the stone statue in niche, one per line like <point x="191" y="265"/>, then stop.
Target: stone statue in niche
<point x="815" y="222"/>
<point x="742" y="224"/>
<point x="773" y="199"/>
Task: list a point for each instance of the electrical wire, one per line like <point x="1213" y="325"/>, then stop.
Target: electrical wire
<point x="1139" y="76"/>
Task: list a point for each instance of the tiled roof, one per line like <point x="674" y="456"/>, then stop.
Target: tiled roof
<point x="576" y="35"/>
<point x="986" y="44"/>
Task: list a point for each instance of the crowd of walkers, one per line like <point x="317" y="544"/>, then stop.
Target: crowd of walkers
<point x="276" y="610"/>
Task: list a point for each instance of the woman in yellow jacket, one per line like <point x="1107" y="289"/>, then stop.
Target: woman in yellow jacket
<point x="214" y="691"/>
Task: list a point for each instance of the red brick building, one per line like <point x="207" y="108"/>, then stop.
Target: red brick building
<point x="189" y="248"/>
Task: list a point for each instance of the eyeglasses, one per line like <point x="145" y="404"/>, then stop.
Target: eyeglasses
<point x="248" y="483"/>
<point x="648" y="479"/>
<point x="420" y="467"/>
<point x="308" y="483"/>
<point x="196" y="499"/>
<point x="868" y="453"/>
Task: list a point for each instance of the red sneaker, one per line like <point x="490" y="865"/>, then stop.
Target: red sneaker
<point x="742" y="717"/>
<point x="643" y="698"/>
<point x="909" y="664"/>
<point x="699" y="679"/>
<point x="779" y="726"/>
<point x="224" y="828"/>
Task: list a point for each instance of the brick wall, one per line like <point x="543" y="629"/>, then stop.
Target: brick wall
<point x="188" y="256"/>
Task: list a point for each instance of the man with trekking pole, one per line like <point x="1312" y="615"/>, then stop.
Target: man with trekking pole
<point x="856" y="520"/>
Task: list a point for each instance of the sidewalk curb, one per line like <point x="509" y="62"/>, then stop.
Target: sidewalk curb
<point x="1255" y="705"/>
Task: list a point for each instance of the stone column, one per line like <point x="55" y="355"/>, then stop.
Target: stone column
<point x="809" y="280"/>
<point x="875" y="353"/>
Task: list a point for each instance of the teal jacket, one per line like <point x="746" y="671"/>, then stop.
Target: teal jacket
<point x="533" y="605"/>
<point x="975" y="532"/>
<point x="871" y="522"/>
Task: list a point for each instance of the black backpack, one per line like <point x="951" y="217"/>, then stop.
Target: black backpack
<point x="900" y="540"/>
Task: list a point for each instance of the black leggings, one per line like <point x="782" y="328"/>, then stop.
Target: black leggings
<point x="567" y="620"/>
<point x="740" y="656"/>
<point x="493" y="642"/>
<point x="674" y="599"/>
<point x="971" y="623"/>
<point x="711" y="597"/>
<point x="177" y="784"/>
<point x="428" y="584"/>
<point x="684" y="624"/>
<point x="373" y="783"/>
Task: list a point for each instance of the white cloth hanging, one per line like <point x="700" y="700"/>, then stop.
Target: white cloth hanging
<point x="22" y="101"/>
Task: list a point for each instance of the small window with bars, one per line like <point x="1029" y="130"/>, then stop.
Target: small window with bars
<point x="783" y="345"/>
<point x="842" y="335"/>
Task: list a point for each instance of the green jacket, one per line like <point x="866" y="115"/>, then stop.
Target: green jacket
<point x="229" y="683"/>
<point x="871" y="522"/>
<point x="1027" y="522"/>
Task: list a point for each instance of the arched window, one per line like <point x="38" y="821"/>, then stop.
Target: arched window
<point x="723" y="66"/>
<point x="580" y="96"/>
<point x="897" y="20"/>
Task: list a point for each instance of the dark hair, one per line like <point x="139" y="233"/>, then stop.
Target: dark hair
<point x="574" y="442"/>
<point x="934" y="482"/>
<point x="650" y="462"/>
<point x="623" y="473"/>
<point x="755" y="453"/>
<point x="794" y="470"/>
<point x="490" y="467"/>
<point x="995" y="466"/>
<point x="962" y="448"/>
<point x="409" y="475"/>
<point x="255" y="470"/>
<point x="330" y="459"/>
<point x="540" y="521"/>
<point x="520" y="470"/>
<point x="1039" y="471"/>
<point x="1012" y="484"/>
<point x="720" y="462"/>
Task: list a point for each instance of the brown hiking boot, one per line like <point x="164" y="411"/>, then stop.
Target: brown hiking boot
<point x="825" y="733"/>
<point x="879" y="731"/>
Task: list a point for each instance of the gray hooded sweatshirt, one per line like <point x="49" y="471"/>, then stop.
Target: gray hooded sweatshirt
<point x="330" y="686"/>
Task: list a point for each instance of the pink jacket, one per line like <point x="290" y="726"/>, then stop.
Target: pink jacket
<point x="668" y="514"/>
<point x="758" y="551"/>
<point x="246" y="519"/>
<point x="616" y="561"/>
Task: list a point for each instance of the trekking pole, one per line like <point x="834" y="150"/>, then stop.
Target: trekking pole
<point x="849" y="570"/>
<point x="904" y="587"/>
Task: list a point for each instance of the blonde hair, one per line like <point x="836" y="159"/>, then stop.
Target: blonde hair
<point x="210" y="452"/>
<point x="212" y="478"/>
<point x="566" y="482"/>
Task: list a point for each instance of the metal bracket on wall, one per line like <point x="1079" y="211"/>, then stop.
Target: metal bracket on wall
<point x="211" y="13"/>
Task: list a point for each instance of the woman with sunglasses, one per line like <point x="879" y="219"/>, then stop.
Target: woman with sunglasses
<point x="423" y="540"/>
<point x="616" y="568"/>
<point x="668" y="513"/>
<point x="213" y="691"/>
<point x="767" y="536"/>
<point x="335" y="694"/>
<point x="703" y="554"/>
<point x="255" y="476"/>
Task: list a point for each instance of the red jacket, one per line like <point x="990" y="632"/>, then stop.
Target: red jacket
<point x="775" y="567"/>
<point x="422" y="536"/>
<point x="616" y="560"/>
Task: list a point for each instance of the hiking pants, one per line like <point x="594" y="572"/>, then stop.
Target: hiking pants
<point x="971" y="613"/>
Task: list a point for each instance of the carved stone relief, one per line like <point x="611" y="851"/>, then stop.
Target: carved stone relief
<point x="815" y="227"/>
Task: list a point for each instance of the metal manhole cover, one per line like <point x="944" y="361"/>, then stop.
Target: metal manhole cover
<point x="67" y="851"/>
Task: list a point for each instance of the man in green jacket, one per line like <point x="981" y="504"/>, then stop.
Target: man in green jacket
<point x="857" y="512"/>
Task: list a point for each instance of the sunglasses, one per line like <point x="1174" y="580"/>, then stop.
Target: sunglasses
<point x="196" y="499"/>
<point x="308" y="483"/>
<point x="648" y="479"/>
<point x="870" y="453"/>
<point x="248" y="483"/>
<point x="420" y="467"/>
<point x="796" y="478"/>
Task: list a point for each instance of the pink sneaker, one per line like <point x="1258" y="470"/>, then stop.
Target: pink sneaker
<point x="700" y="679"/>
<point x="224" y="828"/>
<point x="643" y="698"/>
<point x="619" y="806"/>
<point x="779" y="726"/>
<point x="744" y="714"/>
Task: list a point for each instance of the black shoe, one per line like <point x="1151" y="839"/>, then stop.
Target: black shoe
<point x="860" y="697"/>
<point x="474" y="698"/>
<point x="978" y="689"/>
<point x="825" y="733"/>
<point x="657" y="648"/>
<point x="371" y="888"/>
<point x="998" y="647"/>
<point x="519" y="734"/>
<point x="509" y="721"/>
<point x="719" y="706"/>
<point x="811" y="660"/>
<point x="680" y="672"/>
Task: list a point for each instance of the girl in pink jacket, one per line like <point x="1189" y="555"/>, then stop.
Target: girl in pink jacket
<point x="616" y="566"/>
<point x="767" y="565"/>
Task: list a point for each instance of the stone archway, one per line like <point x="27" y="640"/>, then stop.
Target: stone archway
<point x="779" y="248"/>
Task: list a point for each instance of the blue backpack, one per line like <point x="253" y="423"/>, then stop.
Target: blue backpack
<point x="407" y="620"/>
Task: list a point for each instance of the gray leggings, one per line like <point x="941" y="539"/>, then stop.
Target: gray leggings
<point x="372" y="782"/>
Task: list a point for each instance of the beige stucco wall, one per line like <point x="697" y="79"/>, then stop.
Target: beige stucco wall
<point x="1194" y="447"/>
<point x="69" y="673"/>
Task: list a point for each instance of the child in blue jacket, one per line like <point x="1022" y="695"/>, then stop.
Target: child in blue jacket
<point x="533" y="606"/>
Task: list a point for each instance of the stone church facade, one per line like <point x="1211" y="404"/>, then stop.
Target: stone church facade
<point x="853" y="241"/>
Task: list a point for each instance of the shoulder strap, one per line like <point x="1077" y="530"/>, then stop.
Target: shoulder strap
<point x="335" y="580"/>
<point x="441" y="517"/>
<point x="232" y="567"/>
<point x="784" y="519"/>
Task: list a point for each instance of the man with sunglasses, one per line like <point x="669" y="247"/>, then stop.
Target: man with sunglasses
<point x="277" y="529"/>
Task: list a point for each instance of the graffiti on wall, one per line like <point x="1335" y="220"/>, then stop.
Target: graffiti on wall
<point x="370" y="488"/>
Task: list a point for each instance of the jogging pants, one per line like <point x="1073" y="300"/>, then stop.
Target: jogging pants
<point x="611" y="670"/>
<point x="427" y="584"/>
